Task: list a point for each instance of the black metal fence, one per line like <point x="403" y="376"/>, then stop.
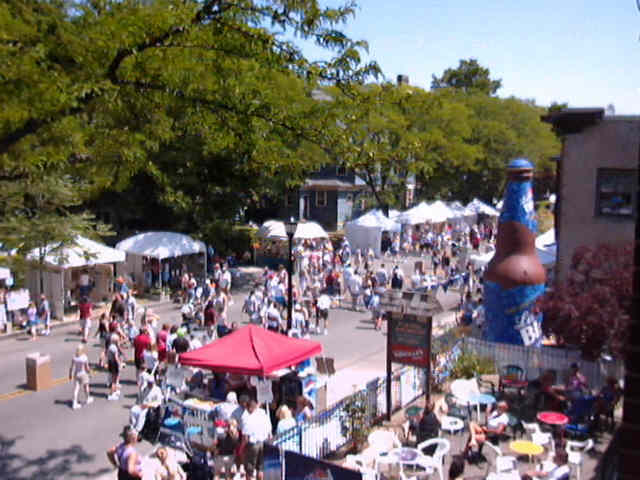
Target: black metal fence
<point x="347" y="419"/>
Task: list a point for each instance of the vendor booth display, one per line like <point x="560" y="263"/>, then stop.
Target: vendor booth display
<point x="68" y="267"/>
<point x="148" y="256"/>
<point x="251" y="350"/>
<point x="366" y="231"/>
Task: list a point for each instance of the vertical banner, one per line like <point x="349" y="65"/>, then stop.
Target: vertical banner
<point x="301" y="467"/>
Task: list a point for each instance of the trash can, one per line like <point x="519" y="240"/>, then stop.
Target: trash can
<point x="38" y="371"/>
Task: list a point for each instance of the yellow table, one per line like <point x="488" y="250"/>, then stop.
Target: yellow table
<point x="524" y="447"/>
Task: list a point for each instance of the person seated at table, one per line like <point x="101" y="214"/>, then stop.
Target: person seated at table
<point x="151" y="397"/>
<point x="456" y="469"/>
<point x="428" y="427"/>
<point x="553" y="396"/>
<point x="576" y="385"/>
<point x="497" y="422"/>
<point x="557" y="470"/>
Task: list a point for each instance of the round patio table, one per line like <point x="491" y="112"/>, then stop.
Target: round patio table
<point x="481" y="399"/>
<point x="524" y="447"/>
<point x="405" y="456"/>
<point x="555" y="419"/>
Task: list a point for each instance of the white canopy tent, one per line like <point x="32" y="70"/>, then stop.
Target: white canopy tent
<point x="274" y="229"/>
<point x="478" y="206"/>
<point x="58" y="275"/>
<point x="161" y="246"/>
<point x="83" y="252"/>
<point x="440" y="212"/>
<point x="366" y="231"/>
<point x="415" y="215"/>
<point x="5" y="273"/>
<point x="546" y="247"/>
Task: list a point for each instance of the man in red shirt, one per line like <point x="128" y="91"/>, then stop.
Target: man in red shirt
<point x="141" y="343"/>
<point x="84" y="311"/>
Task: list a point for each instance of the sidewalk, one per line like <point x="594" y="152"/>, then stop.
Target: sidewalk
<point x="73" y="318"/>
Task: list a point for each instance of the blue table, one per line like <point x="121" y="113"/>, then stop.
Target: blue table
<point x="481" y="399"/>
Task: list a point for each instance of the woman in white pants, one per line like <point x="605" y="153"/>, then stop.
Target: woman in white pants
<point x="79" y="372"/>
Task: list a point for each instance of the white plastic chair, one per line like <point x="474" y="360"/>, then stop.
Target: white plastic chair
<point x="442" y="448"/>
<point x="504" y="463"/>
<point x="359" y="463"/>
<point x="382" y="441"/>
<point x="575" y="450"/>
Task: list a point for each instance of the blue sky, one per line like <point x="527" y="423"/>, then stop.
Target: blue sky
<point x="585" y="53"/>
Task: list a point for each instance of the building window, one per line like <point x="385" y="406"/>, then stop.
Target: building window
<point x="321" y="199"/>
<point x="615" y="195"/>
<point x="341" y="171"/>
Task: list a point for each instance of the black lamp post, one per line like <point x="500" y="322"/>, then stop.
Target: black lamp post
<point x="290" y="228"/>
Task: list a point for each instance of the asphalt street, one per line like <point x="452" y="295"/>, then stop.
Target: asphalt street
<point x="42" y="437"/>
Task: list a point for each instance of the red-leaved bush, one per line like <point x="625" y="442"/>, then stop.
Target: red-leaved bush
<point x="591" y="308"/>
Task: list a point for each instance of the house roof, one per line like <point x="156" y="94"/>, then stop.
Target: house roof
<point x="329" y="184"/>
<point x="573" y="120"/>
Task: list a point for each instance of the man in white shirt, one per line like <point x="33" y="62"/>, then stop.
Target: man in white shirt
<point x="151" y="398"/>
<point x="256" y="430"/>
<point x="497" y="422"/>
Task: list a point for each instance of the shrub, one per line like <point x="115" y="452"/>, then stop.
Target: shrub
<point x="469" y="364"/>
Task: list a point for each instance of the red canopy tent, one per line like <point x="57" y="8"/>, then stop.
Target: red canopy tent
<point x="251" y="350"/>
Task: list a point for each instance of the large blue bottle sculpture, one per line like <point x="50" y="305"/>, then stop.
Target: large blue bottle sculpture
<point x="514" y="278"/>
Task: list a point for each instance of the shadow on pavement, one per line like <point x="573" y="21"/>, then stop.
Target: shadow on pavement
<point x="54" y="464"/>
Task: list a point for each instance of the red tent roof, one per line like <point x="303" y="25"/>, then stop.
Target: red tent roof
<point x="251" y="350"/>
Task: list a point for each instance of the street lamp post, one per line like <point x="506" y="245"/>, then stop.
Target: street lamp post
<point x="290" y="228"/>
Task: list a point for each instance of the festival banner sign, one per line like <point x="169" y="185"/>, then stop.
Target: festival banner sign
<point x="410" y="339"/>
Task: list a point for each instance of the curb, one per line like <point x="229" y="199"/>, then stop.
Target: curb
<point x="71" y="319"/>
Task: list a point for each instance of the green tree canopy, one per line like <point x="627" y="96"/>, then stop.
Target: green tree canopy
<point x="392" y="133"/>
<point x="469" y="77"/>
<point x="96" y="91"/>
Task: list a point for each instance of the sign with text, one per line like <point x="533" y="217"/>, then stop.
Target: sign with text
<point x="410" y="339"/>
<point x="18" y="300"/>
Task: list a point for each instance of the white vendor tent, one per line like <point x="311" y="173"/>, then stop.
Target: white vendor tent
<point x="274" y="229"/>
<point x="309" y="230"/>
<point x="63" y="266"/>
<point x="546" y="247"/>
<point x="83" y="252"/>
<point x="440" y="212"/>
<point x="415" y="215"/>
<point x="5" y="273"/>
<point x="160" y="246"/>
<point x="478" y="206"/>
<point x="366" y="231"/>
